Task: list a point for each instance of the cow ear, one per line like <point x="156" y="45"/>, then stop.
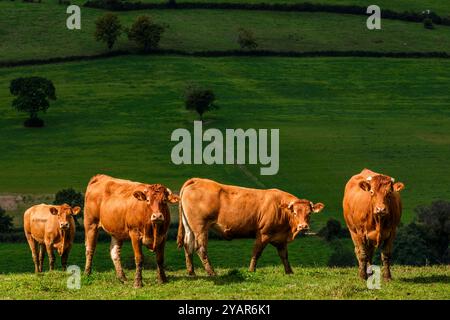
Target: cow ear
<point x="140" y="195"/>
<point x="318" y="207"/>
<point x="173" y="198"/>
<point x="364" y="185"/>
<point x="76" y="210"/>
<point x="53" y="210"/>
<point x="398" y="186"/>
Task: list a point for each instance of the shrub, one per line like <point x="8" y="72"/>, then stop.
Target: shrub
<point x="33" y="95"/>
<point x="436" y="222"/>
<point x="428" y="23"/>
<point x="333" y="230"/>
<point x="108" y="29"/>
<point x="425" y="241"/>
<point x="199" y="99"/>
<point x="145" y="33"/>
<point x="246" y="39"/>
<point x="6" y="224"/>
<point x="341" y="256"/>
<point x="72" y="198"/>
<point x="410" y="246"/>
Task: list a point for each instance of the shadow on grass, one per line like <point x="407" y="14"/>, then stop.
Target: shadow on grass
<point x="428" y="279"/>
<point x="232" y="276"/>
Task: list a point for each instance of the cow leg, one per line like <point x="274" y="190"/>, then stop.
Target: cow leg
<point x="138" y="259"/>
<point x="189" y="260"/>
<point x="258" y="248"/>
<point x="386" y="254"/>
<point x="51" y="256"/>
<point x="115" y="248"/>
<point x="32" y="244"/>
<point x="41" y="256"/>
<point x="65" y="257"/>
<point x="361" y="255"/>
<point x="91" y="233"/>
<point x="202" y="240"/>
<point x="283" y="253"/>
<point x="160" y="262"/>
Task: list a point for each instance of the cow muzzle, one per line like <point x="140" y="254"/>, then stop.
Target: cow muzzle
<point x="64" y="225"/>
<point x="302" y="227"/>
<point x="157" y="217"/>
<point x="381" y="211"/>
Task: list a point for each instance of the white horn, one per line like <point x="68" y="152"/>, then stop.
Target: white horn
<point x="291" y="204"/>
<point x="369" y="178"/>
<point x="393" y="180"/>
<point x="170" y="191"/>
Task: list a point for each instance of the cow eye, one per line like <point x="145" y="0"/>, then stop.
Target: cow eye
<point x="371" y="192"/>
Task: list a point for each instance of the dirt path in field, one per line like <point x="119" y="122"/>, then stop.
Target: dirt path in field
<point x="247" y="172"/>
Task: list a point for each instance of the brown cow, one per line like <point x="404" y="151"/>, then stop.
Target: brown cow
<point x="272" y="216"/>
<point x="127" y="209"/>
<point x="372" y="211"/>
<point x="52" y="227"/>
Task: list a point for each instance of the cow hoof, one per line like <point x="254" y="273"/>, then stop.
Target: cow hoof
<point x="289" y="272"/>
<point x="212" y="274"/>
<point x="162" y="280"/>
<point x="191" y="274"/>
<point x="122" y="279"/>
<point x="137" y="285"/>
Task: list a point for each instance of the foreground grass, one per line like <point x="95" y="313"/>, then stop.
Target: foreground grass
<point x="232" y="282"/>
<point x="41" y="32"/>
<point x="336" y="116"/>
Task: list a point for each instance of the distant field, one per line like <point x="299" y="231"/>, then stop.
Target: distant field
<point x="24" y="33"/>
<point x="311" y="279"/>
<point x="336" y="116"/>
<point x="441" y="7"/>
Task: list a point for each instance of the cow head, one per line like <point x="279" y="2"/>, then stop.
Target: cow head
<point x="63" y="213"/>
<point x="157" y="197"/>
<point x="380" y="188"/>
<point x="300" y="212"/>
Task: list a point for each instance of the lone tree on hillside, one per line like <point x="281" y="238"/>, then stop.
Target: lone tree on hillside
<point x="145" y="33"/>
<point x="199" y="100"/>
<point x="108" y="29"/>
<point x="246" y="39"/>
<point x="33" y="95"/>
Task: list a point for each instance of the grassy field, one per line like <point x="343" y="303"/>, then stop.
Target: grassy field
<point x="311" y="279"/>
<point x="336" y="116"/>
<point x="24" y="32"/>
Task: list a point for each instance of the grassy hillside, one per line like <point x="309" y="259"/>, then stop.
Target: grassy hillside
<point x="24" y="32"/>
<point x="310" y="280"/>
<point x="336" y="116"/>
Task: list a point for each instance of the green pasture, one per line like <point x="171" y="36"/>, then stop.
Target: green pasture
<point x="336" y="116"/>
<point x="311" y="279"/>
<point x="24" y="32"/>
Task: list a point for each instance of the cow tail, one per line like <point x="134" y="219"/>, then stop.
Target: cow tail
<point x="185" y="235"/>
<point x="180" y="236"/>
